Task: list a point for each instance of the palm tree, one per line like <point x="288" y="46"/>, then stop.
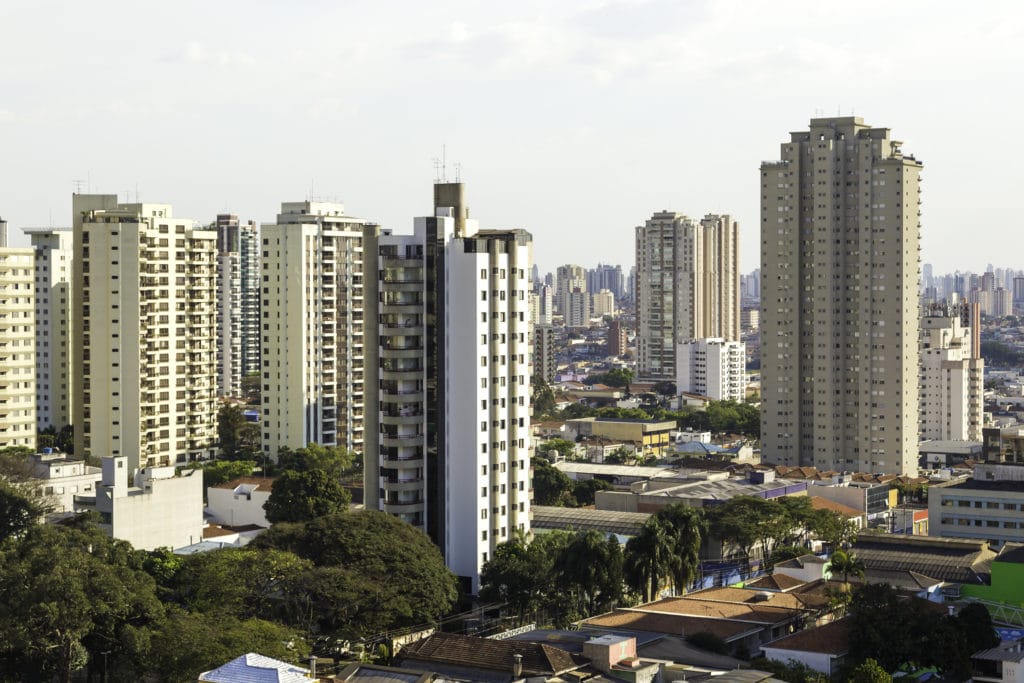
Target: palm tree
<point x="649" y="558"/>
<point x="686" y="529"/>
<point x="847" y="564"/>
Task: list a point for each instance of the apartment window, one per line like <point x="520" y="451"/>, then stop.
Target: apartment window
<point x="483" y="491"/>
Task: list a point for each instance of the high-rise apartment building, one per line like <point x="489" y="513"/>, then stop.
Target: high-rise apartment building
<point x="576" y="308"/>
<point x="687" y="287"/>
<point x="952" y="378"/>
<point x="143" y="331"/>
<point x="450" y="452"/>
<point x="544" y="359"/>
<point x="54" y="253"/>
<point x="568" y="279"/>
<point x="840" y="236"/>
<point x="712" y="367"/>
<point x="315" y="262"/>
<point x="617" y="338"/>
<point x="17" y="348"/>
<point x="238" y="303"/>
<point x="609" y="277"/>
<point x="602" y="303"/>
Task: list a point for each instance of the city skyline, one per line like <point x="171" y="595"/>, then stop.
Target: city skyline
<point x="558" y="106"/>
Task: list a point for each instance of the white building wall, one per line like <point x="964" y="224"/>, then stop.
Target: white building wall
<point x="17" y="348"/>
<point x="237" y="507"/>
<point x="53" y="304"/>
<point x="712" y="367"/>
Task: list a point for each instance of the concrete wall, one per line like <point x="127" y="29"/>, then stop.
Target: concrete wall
<point x="237" y="509"/>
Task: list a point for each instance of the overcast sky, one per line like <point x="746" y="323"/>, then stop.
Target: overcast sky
<point x="573" y="120"/>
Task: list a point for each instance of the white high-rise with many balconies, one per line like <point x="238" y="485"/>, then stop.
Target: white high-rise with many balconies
<point x="952" y="378"/>
<point x="54" y="253"/>
<point x="238" y="303"/>
<point x="840" y="236"/>
<point x="452" y="435"/>
<point x="313" y="378"/>
<point x="17" y="348"/>
<point x="712" y="367"/>
<point x="144" y="324"/>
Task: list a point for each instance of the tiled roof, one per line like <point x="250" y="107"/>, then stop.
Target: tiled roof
<point x="778" y="582"/>
<point x="819" y="503"/>
<point x="748" y="596"/>
<point x="484" y="653"/>
<point x="760" y="613"/>
<point x="831" y="639"/>
<point x="675" y="624"/>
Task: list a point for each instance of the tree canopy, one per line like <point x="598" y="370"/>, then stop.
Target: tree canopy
<point x="303" y="496"/>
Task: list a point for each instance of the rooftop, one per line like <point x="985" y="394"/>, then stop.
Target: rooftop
<point x="819" y="503"/>
<point x="254" y="668"/>
<point x="675" y="624"/>
<point x="607" y="521"/>
<point x="261" y="483"/>
<point x="946" y="559"/>
<point x="831" y="639"/>
<point x="484" y="653"/>
<point x="777" y="582"/>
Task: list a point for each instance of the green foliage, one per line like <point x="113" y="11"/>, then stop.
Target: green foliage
<point x="844" y="563"/>
<point x="585" y="491"/>
<point x="786" y="552"/>
<point x="378" y="571"/>
<point x="589" y="572"/>
<point x="337" y="461"/>
<point x="230" y="419"/>
<point x="665" y="388"/>
<point x="619" y="377"/>
<point x="19" y="510"/>
<point x="62" y="440"/>
<point x="550" y="485"/>
<point x="219" y="471"/>
<point x="998" y="354"/>
<point x="894" y="631"/>
<point x="66" y="595"/>
<point x="185" y="644"/>
<point x="833" y="528"/>
<point x="869" y="671"/>
<point x="666" y="551"/>
<point x="564" y="447"/>
<point x="792" y="672"/>
<point x="303" y="496"/>
<point x="706" y="640"/>
<point x="686" y="529"/>
<point x="542" y="398"/>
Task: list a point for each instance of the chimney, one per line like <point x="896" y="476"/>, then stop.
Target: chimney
<point x="312" y="667"/>
<point x="517" y="666"/>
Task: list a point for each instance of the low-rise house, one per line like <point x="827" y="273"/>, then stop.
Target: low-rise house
<point x="158" y="509"/>
<point x="823" y="648"/>
<point x="486" y="660"/>
<point x="987" y="507"/>
<point x="376" y="673"/>
<point x="805" y="568"/>
<point x="60" y="478"/>
<point x="253" y="667"/>
<point x="1001" y="664"/>
<point x="648" y="436"/>
<point x="240" y="502"/>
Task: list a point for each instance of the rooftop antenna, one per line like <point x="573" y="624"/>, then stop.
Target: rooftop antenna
<point x="458" y="173"/>
<point x="440" y="167"/>
<point x="78" y="185"/>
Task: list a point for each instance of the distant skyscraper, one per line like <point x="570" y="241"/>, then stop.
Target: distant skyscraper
<point x="144" y="326"/>
<point x="687" y="287"/>
<point x="544" y="364"/>
<point x="17" y="349"/>
<point x="607" y="277"/>
<point x="3" y="233"/>
<point x="54" y="304"/>
<point x="450" y="449"/>
<point x="315" y="263"/>
<point x="952" y="378"/>
<point x="568" y="278"/>
<point x="577" y="308"/>
<point x="238" y="303"/>
<point x="839" y="315"/>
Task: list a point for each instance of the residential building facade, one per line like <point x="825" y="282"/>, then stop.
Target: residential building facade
<point x="17" y="348"/>
<point x="840" y="235"/>
<point x="952" y="379"/>
<point x="315" y="312"/>
<point x="544" y="364"/>
<point x="143" y="334"/>
<point x="450" y="451"/>
<point x="238" y="303"/>
<point x="687" y="287"/>
<point x="712" y="367"/>
<point x="54" y="303"/>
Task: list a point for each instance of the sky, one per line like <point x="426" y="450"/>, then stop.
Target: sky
<point x="573" y="120"/>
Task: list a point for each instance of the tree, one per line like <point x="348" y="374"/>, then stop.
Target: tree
<point x="66" y="595"/>
<point x="184" y="644"/>
<point x="791" y="672"/>
<point x="230" y="420"/>
<point x="303" y="496"/>
<point x="550" y="485"/>
<point x="542" y="398"/>
<point x="585" y="490"/>
<point x="397" y="574"/>
<point x="649" y="561"/>
<point x="19" y="510"/>
<point x="522" y="576"/>
<point x="685" y="527"/>
<point x="665" y="388"/>
<point x="590" y="571"/>
<point x="220" y="471"/>
<point x="564" y="447"/>
<point x="869" y="671"/>
<point x="336" y="461"/>
<point x="837" y="531"/>
<point x="842" y="562"/>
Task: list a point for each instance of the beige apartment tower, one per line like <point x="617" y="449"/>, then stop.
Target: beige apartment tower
<point x="687" y="287"/>
<point x="952" y="378"/>
<point x="840" y="241"/>
<point x="17" y="348"/>
<point x="143" y="334"/>
<point x="54" y="303"/>
<point x="315" y="262"/>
